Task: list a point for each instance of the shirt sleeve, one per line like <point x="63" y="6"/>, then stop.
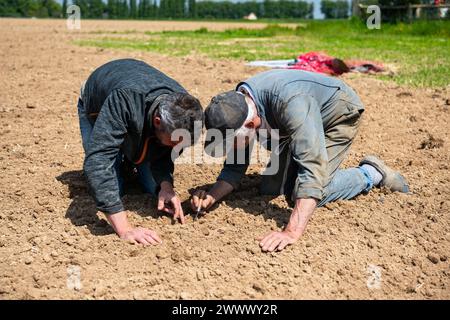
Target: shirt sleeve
<point x="303" y="123"/>
<point x="163" y="166"/>
<point x="235" y="167"/>
<point x="104" y="145"/>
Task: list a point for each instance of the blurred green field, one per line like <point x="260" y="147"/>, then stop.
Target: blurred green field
<point x="420" y="52"/>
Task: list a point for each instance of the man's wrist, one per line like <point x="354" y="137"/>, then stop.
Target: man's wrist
<point x="303" y="210"/>
<point x="123" y="232"/>
<point x="212" y="195"/>
<point x="220" y="189"/>
<point x="119" y="222"/>
<point x="166" y="185"/>
<point x="296" y="224"/>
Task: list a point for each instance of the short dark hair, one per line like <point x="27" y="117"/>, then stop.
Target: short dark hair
<point x="180" y="111"/>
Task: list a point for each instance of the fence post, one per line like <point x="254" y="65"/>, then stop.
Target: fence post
<point x="356" y="10"/>
<point x="410" y="13"/>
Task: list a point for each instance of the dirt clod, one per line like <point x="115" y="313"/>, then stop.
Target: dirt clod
<point x="28" y="260"/>
<point x="434" y="258"/>
<point x="161" y="254"/>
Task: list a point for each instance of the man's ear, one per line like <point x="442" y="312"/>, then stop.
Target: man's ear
<point x="157" y="122"/>
<point x="250" y="124"/>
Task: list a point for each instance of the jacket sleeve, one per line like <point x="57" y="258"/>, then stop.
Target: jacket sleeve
<point x="163" y="166"/>
<point x="104" y="145"/>
<point x="302" y="121"/>
<point x="234" y="167"/>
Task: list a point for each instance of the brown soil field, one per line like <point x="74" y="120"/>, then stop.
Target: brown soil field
<point x="48" y="222"/>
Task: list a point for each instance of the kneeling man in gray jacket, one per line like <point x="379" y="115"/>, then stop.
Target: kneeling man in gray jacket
<point x="314" y="119"/>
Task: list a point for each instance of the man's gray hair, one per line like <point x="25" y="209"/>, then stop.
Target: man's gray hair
<point x="180" y="111"/>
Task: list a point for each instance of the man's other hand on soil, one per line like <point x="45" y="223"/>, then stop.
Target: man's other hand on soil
<point x="125" y="231"/>
<point x="278" y="240"/>
<point x="303" y="210"/>
<point x="169" y="202"/>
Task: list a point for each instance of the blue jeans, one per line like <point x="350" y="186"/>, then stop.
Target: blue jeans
<point x="344" y="184"/>
<point x="347" y="184"/>
<point x="145" y="175"/>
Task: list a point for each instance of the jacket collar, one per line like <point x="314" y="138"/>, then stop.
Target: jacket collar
<point x="249" y="90"/>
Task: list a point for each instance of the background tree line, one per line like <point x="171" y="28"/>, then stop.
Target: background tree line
<point x="208" y="9"/>
<point x="30" y="8"/>
<point x="147" y="9"/>
<point x="265" y="9"/>
<point x="335" y="9"/>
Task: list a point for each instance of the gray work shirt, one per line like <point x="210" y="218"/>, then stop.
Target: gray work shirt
<point x="302" y="106"/>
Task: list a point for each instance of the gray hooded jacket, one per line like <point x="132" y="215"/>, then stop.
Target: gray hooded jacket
<point x="302" y="105"/>
<point x="119" y="97"/>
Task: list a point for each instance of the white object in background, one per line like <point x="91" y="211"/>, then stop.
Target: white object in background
<point x="271" y="63"/>
<point x="251" y="16"/>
